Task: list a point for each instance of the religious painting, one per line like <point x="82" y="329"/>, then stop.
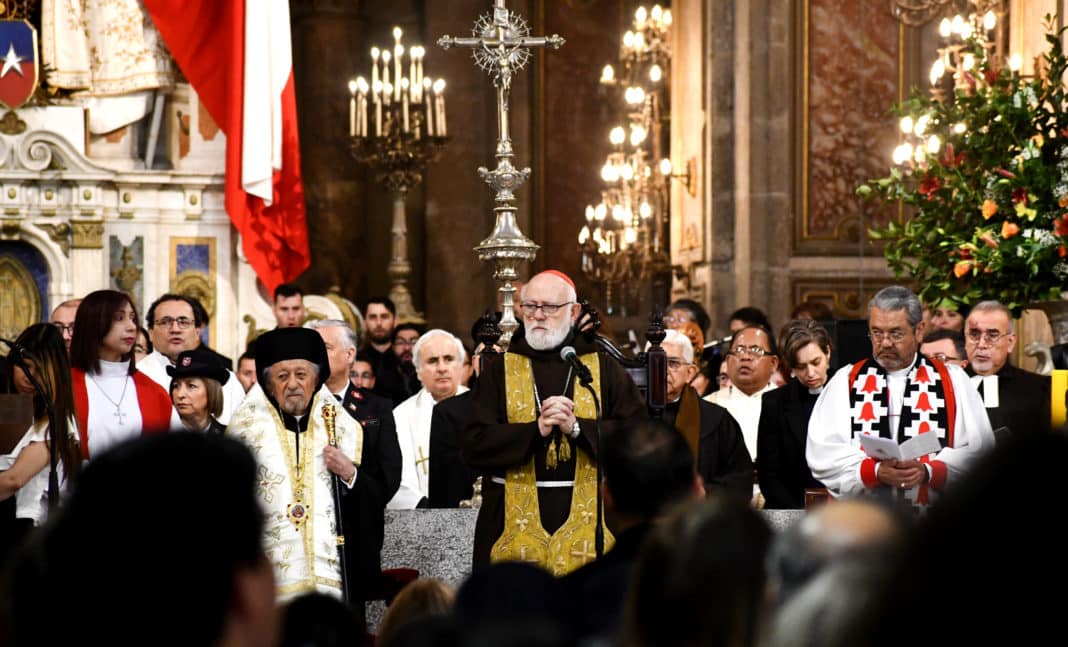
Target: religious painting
<point x="852" y="71"/>
<point x="193" y="274"/>
<point x="24" y="286"/>
<point x="126" y="268"/>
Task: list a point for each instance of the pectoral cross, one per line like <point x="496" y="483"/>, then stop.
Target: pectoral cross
<point x="422" y="460"/>
<point x="121" y="416"/>
<point x="502" y="47"/>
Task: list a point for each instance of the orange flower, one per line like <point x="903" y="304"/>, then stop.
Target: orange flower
<point x="1063" y="201"/>
<point x="989" y="208"/>
<point x="962" y="267"/>
<point x="1062" y="251"/>
<point x="1009" y="229"/>
<point x="1060" y="226"/>
<point x="988" y="238"/>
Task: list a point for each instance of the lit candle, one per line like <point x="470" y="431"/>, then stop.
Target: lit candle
<point x="413" y="54"/>
<point x="398" y="69"/>
<point x="404" y="98"/>
<point x="385" y="70"/>
<point x="427" y="89"/>
<point x="419" y="73"/>
<point x="439" y="90"/>
<point x="377" y="92"/>
<point x="374" y="65"/>
<point x="361" y="117"/>
<point x="352" y="108"/>
<point x="387" y="93"/>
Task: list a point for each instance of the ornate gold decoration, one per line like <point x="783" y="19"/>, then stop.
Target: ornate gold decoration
<point x="196" y="284"/>
<point x="253" y="332"/>
<point x="11" y="124"/>
<point x="845" y="297"/>
<point x="12" y="193"/>
<point x="88" y="234"/>
<point x="193" y="200"/>
<point x="347" y="313"/>
<point x="9" y="228"/>
<point x="21" y="304"/>
<point x="87" y="194"/>
<point x="60" y="234"/>
<point x="127" y="276"/>
<point x="17" y="9"/>
<point x="126" y="197"/>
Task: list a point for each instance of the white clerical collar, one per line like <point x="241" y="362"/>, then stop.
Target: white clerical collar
<point x="114" y="369"/>
<point x="757" y="395"/>
<point x="818" y="390"/>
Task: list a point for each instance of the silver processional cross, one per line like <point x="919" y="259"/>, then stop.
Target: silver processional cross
<point x="501" y="44"/>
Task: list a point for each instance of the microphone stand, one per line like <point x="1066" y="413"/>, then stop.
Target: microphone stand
<point x="53" y="452"/>
<point x="586" y="380"/>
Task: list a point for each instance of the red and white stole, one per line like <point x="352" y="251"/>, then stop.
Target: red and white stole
<point x="929" y="404"/>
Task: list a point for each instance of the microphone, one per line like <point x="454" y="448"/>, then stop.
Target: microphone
<point x="717" y="342"/>
<point x="568" y="354"/>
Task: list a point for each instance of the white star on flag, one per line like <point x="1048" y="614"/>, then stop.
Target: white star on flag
<point x="11" y="61"/>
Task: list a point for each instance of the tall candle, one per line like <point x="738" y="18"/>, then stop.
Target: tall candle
<point x="385" y="69"/>
<point x="413" y="55"/>
<point x="427" y="89"/>
<point x="352" y="108"/>
<point x="398" y="69"/>
<point x="377" y="91"/>
<point x="404" y="97"/>
<point x="374" y="65"/>
<point x="439" y="92"/>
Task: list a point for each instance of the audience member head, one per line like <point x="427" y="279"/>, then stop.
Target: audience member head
<point x="990" y="336"/>
<point x="680" y="364"/>
<point x="291" y="364"/>
<point x="340" y="341"/>
<point x="706" y="379"/>
<point x="288" y="306"/>
<point x="687" y="311"/>
<point x="439" y="358"/>
<point x="246" y="370"/>
<point x="815" y="310"/>
<point x="946" y="346"/>
<point x="174" y="324"/>
<point x="417" y="600"/>
<point x="752" y="360"/>
<point x="835" y="532"/>
<point x="321" y="620"/>
<point x="211" y="582"/>
<point x="362" y="374"/>
<point x="143" y="345"/>
<point x="895" y="325"/>
<point x="404" y="337"/>
<point x="548" y="305"/>
<point x="512" y="603"/>
<point x="63" y="319"/>
<point x="948" y="316"/>
<point x="748" y="316"/>
<point x="196" y="387"/>
<point x="700" y="578"/>
<point x="648" y="468"/>
<point x="379" y="317"/>
<point x="105" y="328"/>
<point x="42" y="351"/>
<point x="806" y="349"/>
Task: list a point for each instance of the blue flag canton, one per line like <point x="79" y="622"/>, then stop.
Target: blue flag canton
<point x="18" y="34"/>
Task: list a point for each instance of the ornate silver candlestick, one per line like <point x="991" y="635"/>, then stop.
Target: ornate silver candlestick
<point x="501" y="44"/>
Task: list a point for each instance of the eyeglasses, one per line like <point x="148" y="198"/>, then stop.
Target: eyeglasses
<point x="400" y="341"/>
<point x="166" y="322"/>
<point x="989" y="336"/>
<point x="755" y="351"/>
<point x="69" y="328"/>
<point x="676" y="319"/>
<point x="942" y="357"/>
<point x="675" y="363"/>
<point x="896" y="336"/>
<point x="548" y="308"/>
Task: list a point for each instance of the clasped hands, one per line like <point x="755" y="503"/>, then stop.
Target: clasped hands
<point x="338" y="463"/>
<point x="902" y="474"/>
<point x="556" y="411"/>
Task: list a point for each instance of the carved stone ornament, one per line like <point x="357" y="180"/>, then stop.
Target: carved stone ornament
<point x="10" y="124"/>
<point x="60" y="234"/>
<point x="88" y="234"/>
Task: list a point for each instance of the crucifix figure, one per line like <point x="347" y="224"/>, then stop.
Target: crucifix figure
<point x="501" y="44"/>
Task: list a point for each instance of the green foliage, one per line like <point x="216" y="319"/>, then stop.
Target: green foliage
<point x="991" y="205"/>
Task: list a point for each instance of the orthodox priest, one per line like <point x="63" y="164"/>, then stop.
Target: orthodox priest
<point x="532" y="436"/>
<point x="288" y="420"/>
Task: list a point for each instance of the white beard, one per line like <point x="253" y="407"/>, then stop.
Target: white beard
<point x="548" y="339"/>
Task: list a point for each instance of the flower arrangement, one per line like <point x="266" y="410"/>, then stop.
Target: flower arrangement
<point x="989" y="185"/>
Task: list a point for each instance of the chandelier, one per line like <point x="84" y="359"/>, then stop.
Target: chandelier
<point x="623" y="240"/>
<point x="953" y="70"/>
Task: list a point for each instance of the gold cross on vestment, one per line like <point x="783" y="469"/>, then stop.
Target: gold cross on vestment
<point x="585" y="553"/>
<point x="422" y="460"/>
<point x="266" y="480"/>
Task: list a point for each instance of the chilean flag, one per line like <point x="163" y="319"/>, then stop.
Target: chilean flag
<point x="18" y="62"/>
<point x="237" y="55"/>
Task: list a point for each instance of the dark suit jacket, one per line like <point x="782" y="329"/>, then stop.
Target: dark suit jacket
<point x="1023" y="399"/>
<point x="377" y="480"/>
<point x="781" y="436"/>
<point x="451" y="480"/>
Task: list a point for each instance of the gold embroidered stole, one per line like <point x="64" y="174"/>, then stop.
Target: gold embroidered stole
<point x="524" y="538"/>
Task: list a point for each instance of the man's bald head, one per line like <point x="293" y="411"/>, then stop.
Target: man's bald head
<point x="63" y="318"/>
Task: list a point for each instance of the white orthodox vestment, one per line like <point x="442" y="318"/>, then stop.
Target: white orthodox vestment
<point x="413" y="434"/>
<point x="304" y="555"/>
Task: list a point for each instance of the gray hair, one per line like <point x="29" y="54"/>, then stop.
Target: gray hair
<point x="348" y="335"/>
<point x="572" y="296"/>
<point x="995" y="306"/>
<point x="897" y="297"/>
<point x="675" y="337"/>
<point x="265" y="374"/>
<point x="437" y="332"/>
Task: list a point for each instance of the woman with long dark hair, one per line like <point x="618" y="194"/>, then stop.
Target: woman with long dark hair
<point x="24" y="471"/>
<point x="113" y="400"/>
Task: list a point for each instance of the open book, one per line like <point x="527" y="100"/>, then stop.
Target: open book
<point x="881" y="448"/>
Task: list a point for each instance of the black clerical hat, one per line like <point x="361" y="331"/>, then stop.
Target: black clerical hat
<point x="198" y="362"/>
<point x="281" y="344"/>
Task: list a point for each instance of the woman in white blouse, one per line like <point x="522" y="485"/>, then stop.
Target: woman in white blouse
<point x="41" y="355"/>
<point x="113" y="400"/>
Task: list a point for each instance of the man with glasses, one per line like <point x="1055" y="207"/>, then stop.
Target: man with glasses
<point x="946" y="346"/>
<point x="532" y="435"/>
<point x="63" y="319"/>
<point x="1015" y="399"/>
<point x="714" y="436"/>
<point x="896" y="394"/>
<point x="175" y="322"/>
<point x="751" y="362"/>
